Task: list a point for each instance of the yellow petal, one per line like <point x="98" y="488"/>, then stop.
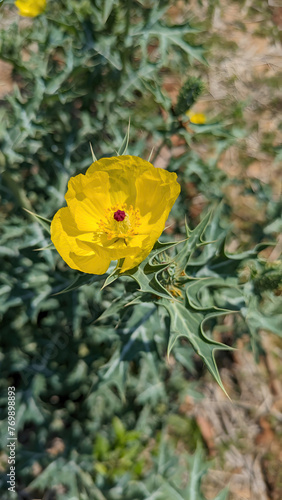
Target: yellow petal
<point x="122" y="171"/>
<point x="88" y="198"/>
<point x="115" y="248"/>
<point x="132" y="164"/>
<point x="157" y="191"/>
<point x="65" y="236"/>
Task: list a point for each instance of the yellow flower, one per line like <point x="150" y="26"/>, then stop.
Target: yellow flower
<point x="117" y="210"/>
<point x="197" y="118"/>
<point x="31" y="8"/>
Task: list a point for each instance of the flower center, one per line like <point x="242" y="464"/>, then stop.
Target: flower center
<point x="120" y="222"/>
<point x="119" y="215"/>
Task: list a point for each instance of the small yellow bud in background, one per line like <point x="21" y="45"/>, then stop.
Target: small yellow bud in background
<point x="31" y="8"/>
<point x="196" y="118"/>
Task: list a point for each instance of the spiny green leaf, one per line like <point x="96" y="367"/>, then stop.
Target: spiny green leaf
<point x="194" y="239"/>
<point x="114" y="274"/>
<point x="195" y="52"/>
<point x="186" y="322"/>
<point x="149" y="283"/>
<point x="226" y="264"/>
<point x="194" y="288"/>
<point x="215" y="235"/>
<point x="171" y="35"/>
<point x="249" y="254"/>
<point x="146" y="274"/>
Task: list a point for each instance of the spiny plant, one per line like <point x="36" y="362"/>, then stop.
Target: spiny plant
<point x="196" y="285"/>
<point x="78" y="353"/>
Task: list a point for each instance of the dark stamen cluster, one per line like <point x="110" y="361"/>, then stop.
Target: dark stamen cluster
<point x="119" y="215"/>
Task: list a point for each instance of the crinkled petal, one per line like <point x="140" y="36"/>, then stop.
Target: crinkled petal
<point x="66" y="238"/>
<point x="137" y="257"/>
<point x="123" y="172"/>
<point x="130" y="163"/>
<point x="88" y="198"/>
<point x="116" y="248"/>
<point x="157" y="191"/>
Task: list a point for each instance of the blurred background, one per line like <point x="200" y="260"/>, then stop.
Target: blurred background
<point x="201" y="84"/>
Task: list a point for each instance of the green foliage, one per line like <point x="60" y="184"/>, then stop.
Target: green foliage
<point x="203" y="277"/>
<point x="89" y="364"/>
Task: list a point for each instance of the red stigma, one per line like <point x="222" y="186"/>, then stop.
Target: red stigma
<point x="119" y="215"/>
